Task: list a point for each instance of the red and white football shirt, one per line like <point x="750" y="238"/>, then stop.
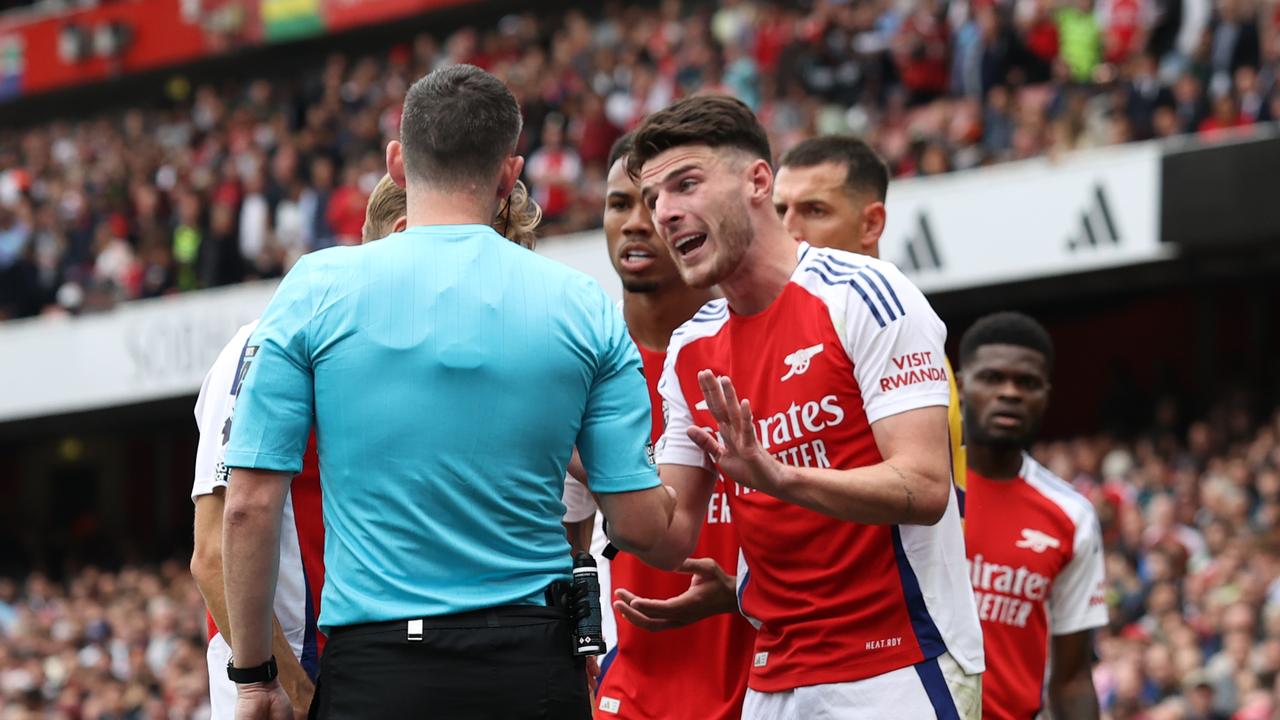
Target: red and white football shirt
<point x="301" y="576"/>
<point x="848" y="342"/>
<point x="1035" y="560"/>
<point x="698" y="671"/>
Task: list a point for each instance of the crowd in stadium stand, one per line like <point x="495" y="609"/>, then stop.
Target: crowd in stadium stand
<point x="234" y="180"/>
<point x="1193" y="569"/>
<point x="103" y="646"/>
<point x="1193" y="565"/>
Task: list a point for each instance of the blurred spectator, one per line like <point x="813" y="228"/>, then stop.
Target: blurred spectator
<point x="1080" y="38"/>
<point x="554" y="170"/>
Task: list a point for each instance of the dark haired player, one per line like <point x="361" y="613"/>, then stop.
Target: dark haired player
<point x="836" y="461"/>
<point x="699" y="669"/>
<point x="1034" y="546"/>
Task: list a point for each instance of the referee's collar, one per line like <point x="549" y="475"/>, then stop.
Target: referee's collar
<point x="451" y="229"/>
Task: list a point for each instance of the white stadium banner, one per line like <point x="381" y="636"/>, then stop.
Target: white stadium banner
<point x="1030" y="219"/>
<point x="1019" y="221"/>
<point x="141" y="351"/>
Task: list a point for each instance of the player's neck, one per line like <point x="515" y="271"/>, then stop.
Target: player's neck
<point x="763" y="273"/>
<point x="996" y="463"/>
<point x="441" y="208"/>
<point x="652" y="317"/>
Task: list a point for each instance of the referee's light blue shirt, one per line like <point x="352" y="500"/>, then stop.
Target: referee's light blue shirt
<point x="449" y="374"/>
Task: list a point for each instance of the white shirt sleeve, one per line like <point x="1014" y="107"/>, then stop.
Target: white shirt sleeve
<point x="578" y="502"/>
<point x="1076" y="602"/>
<point x="675" y="447"/>
<point x="895" y="340"/>
<point x="213" y="411"/>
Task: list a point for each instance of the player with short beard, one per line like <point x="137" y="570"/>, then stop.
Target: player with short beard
<point x="837" y="469"/>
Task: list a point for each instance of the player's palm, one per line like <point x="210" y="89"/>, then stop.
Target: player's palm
<point x="711" y="591"/>
<point x="736" y="450"/>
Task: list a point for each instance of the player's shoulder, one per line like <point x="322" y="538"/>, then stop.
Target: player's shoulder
<point x="241" y="338"/>
<point x="835" y="263"/>
<point x="229" y="357"/>
<point x="220" y="379"/>
<point x="707" y="322"/>
<point x="1059" y="492"/>
<point x="843" y="278"/>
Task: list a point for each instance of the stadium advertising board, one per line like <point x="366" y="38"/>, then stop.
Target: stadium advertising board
<point x="343" y="14"/>
<point x="144" y="350"/>
<point x="63" y="50"/>
<point x="1036" y="218"/>
<point x="12" y="65"/>
<point x="85" y="45"/>
<point x="291" y="19"/>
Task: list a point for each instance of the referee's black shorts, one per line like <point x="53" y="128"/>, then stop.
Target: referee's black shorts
<point x="507" y="663"/>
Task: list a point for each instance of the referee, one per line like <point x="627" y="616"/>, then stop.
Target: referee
<point x="449" y="373"/>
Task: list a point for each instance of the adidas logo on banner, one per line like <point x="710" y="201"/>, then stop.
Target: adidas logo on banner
<point x="1097" y="226"/>
<point x="921" y="251"/>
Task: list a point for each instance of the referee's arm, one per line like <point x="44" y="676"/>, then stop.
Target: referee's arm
<point x="251" y="557"/>
<point x="273" y="418"/>
<point x="613" y="444"/>
<point x="688" y="490"/>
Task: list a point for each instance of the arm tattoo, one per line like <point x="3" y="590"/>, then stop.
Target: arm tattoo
<point x="906" y="487"/>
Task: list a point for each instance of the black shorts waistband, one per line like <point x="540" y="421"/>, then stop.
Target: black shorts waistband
<point x="502" y="616"/>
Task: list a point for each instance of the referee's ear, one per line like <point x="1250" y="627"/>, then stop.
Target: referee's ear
<point x="395" y="162"/>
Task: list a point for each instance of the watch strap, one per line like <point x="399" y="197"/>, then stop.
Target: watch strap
<point x="266" y="672"/>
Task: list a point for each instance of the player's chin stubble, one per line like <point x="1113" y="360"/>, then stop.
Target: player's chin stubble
<point x="642" y="287"/>
<point x="736" y="234"/>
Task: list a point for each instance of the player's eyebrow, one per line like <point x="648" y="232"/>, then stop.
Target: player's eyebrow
<point x="647" y="191"/>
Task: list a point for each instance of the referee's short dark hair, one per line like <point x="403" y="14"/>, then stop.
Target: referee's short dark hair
<point x="717" y="121"/>
<point x="1007" y="328"/>
<point x="459" y="124"/>
<point x="864" y="169"/>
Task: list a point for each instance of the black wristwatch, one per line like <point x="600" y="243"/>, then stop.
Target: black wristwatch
<point x="266" y="672"/>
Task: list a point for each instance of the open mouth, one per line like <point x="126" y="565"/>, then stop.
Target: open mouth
<point x="689" y="243"/>
<point x="635" y="259"/>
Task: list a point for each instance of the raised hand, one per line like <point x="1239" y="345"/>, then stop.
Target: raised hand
<point x="737" y="450"/>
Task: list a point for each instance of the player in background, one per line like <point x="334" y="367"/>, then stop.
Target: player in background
<point x="1034" y="544"/>
<point x="830" y="192"/>
<point x="297" y="641"/>
<point x="837" y="469"/>
<point x="700" y="670"/>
